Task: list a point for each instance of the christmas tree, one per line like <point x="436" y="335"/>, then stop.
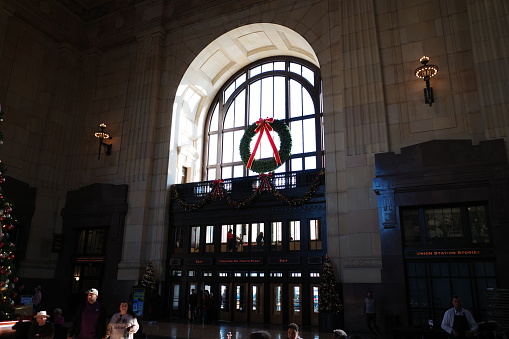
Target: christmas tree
<point x="149" y="279"/>
<point x="7" y="221"/>
<point x="329" y="300"/>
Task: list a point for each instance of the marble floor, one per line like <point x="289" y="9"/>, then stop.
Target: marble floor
<point x="179" y="330"/>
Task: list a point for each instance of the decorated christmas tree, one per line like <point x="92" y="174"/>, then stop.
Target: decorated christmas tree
<point x="7" y="221"/>
<point x="329" y="300"/>
<point x="149" y="279"/>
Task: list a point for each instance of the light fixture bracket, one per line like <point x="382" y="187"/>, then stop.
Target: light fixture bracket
<point x="102" y="134"/>
<point x="426" y="71"/>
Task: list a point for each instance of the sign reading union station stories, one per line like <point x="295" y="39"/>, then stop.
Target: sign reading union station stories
<point x="450" y="253"/>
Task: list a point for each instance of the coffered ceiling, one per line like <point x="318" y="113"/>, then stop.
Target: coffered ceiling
<point x="93" y="9"/>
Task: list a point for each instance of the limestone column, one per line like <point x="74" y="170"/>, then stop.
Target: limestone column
<point x="364" y="106"/>
<point x="143" y="237"/>
<point x="490" y="46"/>
<point x="5" y="13"/>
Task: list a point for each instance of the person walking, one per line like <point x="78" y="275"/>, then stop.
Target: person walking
<point x="90" y="319"/>
<point x="122" y="324"/>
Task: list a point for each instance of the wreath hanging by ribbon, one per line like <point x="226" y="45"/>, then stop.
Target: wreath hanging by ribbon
<point x="265" y="126"/>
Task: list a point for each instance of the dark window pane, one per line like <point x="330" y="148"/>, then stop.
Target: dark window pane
<point x="411" y="227"/>
<point x="276" y="236"/>
<point x="478" y="225"/>
<point x="195" y="239"/>
<point x="178" y="240"/>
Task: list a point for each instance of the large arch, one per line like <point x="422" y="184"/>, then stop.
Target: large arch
<point x="216" y="63"/>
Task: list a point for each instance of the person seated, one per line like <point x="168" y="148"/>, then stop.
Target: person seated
<point x="41" y="328"/>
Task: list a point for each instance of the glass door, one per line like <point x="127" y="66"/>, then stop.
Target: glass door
<point x="240" y="302"/>
<point x="256" y="303"/>
<point x="314" y="304"/>
<point x="276" y="300"/>
<point x="295" y="314"/>
<point x="175" y="300"/>
<point x="225" y="307"/>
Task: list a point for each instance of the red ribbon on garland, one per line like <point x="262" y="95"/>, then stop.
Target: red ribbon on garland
<point x="265" y="182"/>
<point x="263" y="125"/>
<point x="217" y="189"/>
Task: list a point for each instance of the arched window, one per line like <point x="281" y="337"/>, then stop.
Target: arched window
<point x="282" y="88"/>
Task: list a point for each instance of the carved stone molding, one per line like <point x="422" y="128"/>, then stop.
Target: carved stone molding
<point x="363" y="263"/>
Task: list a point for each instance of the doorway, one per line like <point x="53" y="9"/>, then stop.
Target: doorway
<point x="174" y="306"/>
<point x="256" y="303"/>
<point x="314" y="304"/>
<point x="276" y="303"/>
<point x="240" y="302"/>
<point x="295" y="309"/>
<point x="225" y="304"/>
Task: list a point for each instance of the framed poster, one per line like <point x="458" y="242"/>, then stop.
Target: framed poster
<point x="138" y="301"/>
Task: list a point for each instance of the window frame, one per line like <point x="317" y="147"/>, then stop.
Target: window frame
<point x="222" y="105"/>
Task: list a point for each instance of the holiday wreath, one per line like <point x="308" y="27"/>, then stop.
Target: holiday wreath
<point x="285" y="147"/>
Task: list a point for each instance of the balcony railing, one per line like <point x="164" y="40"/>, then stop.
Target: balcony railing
<point x="294" y="182"/>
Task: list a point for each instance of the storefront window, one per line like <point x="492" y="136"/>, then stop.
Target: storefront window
<point x="315" y="234"/>
<point x="209" y="239"/>
<point x="445" y="226"/>
<point x="177" y="240"/>
<point x="195" y="239"/>
<point x="294" y="235"/>
<point x="276" y="236"/>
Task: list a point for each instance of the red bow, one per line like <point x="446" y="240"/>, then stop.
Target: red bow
<point x="265" y="182"/>
<point x="217" y="189"/>
<point x="263" y="125"/>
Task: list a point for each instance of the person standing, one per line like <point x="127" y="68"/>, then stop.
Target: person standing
<point x="18" y="293"/>
<point x="458" y="322"/>
<point x="259" y="241"/>
<point x="122" y="324"/>
<point x="230" y="241"/>
<point x="58" y="322"/>
<point x="90" y="319"/>
<point x="155" y="307"/>
<point x="193" y="302"/>
<point x="37" y="299"/>
<point x="41" y="328"/>
<point x="370" y="313"/>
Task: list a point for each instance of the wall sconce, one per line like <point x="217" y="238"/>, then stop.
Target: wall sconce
<point x="426" y="72"/>
<point x="103" y="135"/>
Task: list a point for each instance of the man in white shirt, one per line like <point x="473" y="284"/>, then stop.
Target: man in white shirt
<point x="459" y="322"/>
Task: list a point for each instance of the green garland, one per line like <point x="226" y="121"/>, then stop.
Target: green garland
<point x="317" y="182"/>
<point x="267" y="165"/>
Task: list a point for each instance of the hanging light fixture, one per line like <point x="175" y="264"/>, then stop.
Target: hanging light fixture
<point x="102" y="134"/>
<point x="426" y="72"/>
